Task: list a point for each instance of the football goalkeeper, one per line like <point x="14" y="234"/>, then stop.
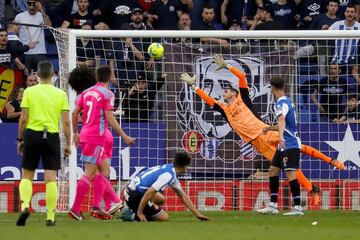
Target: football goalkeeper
<point x="240" y="113"/>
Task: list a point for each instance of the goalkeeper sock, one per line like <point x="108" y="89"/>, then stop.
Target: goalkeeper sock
<point x="25" y="189"/>
<point x="314" y="153"/>
<point x="295" y="191"/>
<point x="82" y="189"/>
<point x="274" y="188"/>
<point x="99" y="189"/>
<point x="51" y="200"/>
<point x="303" y="181"/>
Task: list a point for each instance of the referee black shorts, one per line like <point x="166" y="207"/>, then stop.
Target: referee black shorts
<point x="36" y="148"/>
<point x="133" y="199"/>
<point x="288" y="160"/>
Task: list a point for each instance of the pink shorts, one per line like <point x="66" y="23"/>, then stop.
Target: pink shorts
<point x="92" y="153"/>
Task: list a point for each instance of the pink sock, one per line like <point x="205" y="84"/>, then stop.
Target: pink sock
<point x="111" y="193"/>
<point x="107" y="201"/>
<point x="99" y="189"/>
<point x="82" y="189"/>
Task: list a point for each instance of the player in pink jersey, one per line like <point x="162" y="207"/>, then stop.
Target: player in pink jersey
<point x="97" y="105"/>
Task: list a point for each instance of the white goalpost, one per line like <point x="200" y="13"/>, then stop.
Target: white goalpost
<point x="226" y="173"/>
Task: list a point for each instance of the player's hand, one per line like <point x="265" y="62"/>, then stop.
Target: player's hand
<point x="282" y="141"/>
<point x="188" y="79"/>
<point x="20" y="147"/>
<point x="265" y="130"/>
<point x="76" y="139"/>
<point x="129" y="140"/>
<point x="203" y="217"/>
<point x="217" y="59"/>
<point x="67" y="151"/>
<point x="141" y="217"/>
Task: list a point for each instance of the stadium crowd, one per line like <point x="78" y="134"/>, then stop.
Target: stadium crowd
<point x="23" y="45"/>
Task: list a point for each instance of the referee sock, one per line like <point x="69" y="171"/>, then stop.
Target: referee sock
<point x="274" y="188"/>
<point x="314" y="153"/>
<point x="303" y="181"/>
<point x="51" y="200"/>
<point x="295" y="191"/>
<point x="82" y="188"/>
<point x="99" y="189"/>
<point x="25" y="189"/>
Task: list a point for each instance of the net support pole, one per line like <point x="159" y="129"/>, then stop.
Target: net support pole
<point x="72" y="96"/>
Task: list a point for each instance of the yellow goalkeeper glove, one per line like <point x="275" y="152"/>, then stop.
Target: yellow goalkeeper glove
<point x="189" y="80"/>
<point x="217" y="59"/>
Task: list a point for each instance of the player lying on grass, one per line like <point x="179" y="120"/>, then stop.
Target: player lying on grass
<point x="238" y="110"/>
<point x="144" y="193"/>
<point x="97" y="106"/>
<point x="80" y="79"/>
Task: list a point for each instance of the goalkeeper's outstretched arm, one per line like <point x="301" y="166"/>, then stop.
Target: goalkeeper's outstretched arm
<point x="191" y="82"/>
<point x="241" y="75"/>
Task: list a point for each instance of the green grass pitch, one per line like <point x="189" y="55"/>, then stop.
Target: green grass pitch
<point x="339" y="225"/>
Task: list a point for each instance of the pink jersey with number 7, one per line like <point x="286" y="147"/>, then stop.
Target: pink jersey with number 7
<point x="95" y="101"/>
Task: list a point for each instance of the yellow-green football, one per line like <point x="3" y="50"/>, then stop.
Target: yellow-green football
<point x="156" y="50"/>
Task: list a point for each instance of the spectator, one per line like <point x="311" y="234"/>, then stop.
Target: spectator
<point x="346" y="49"/>
<point x="207" y="23"/>
<point x="230" y="10"/>
<point x="198" y="7"/>
<point x="34" y="15"/>
<point x="321" y="22"/>
<point x="31" y="80"/>
<point x="237" y="45"/>
<point x="284" y="11"/>
<point x="184" y="24"/>
<point x="164" y="14"/>
<point x="146" y="4"/>
<point x="117" y="12"/>
<point x="352" y="113"/>
<point x="140" y="98"/>
<point x="87" y="50"/>
<point x="67" y="7"/>
<point x="343" y="4"/>
<point x="308" y="10"/>
<point x="13" y="110"/>
<point x="332" y="91"/>
<point x="264" y="20"/>
<point x="14" y="44"/>
<point x="6" y="57"/>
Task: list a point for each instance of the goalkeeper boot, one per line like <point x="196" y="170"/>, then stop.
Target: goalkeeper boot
<point x="115" y="207"/>
<point x="315" y="193"/>
<point x="297" y="211"/>
<point x="22" y="217"/>
<point x="50" y="223"/>
<point x="76" y="216"/>
<point x="336" y="163"/>
<point x="127" y="215"/>
<point x="96" y="212"/>
<point x="271" y="209"/>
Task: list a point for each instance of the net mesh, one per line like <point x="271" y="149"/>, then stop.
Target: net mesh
<point x="227" y="172"/>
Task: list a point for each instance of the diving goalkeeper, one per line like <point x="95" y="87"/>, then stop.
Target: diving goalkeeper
<point x="240" y="113"/>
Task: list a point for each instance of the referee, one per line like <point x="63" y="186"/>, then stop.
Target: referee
<point x="42" y="106"/>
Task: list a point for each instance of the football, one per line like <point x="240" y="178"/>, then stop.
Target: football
<point x="156" y="50"/>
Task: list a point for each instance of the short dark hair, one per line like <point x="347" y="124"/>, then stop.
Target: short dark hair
<point x="103" y="74"/>
<point x="351" y="96"/>
<point x="351" y="6"/>
<point x="277" y="82"/>
<point x="3" y="30"/>
<point x="334" y="1"/>
<point x="182" y="159"/>
<point x="231" y="88"/>
<point x="208" y="6"/>
<point x="45" y="69"/>
<point x="82" y="78"/>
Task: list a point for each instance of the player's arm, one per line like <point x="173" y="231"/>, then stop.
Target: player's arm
<point x="22" y="125"/>
<point x="191" y="82"/>
<point x="109" y="114"/>
<point x="149" y="194"/>
<point x="281" y="123"/>
<point x="74" y="122"/>
<point x="185" y="199"/>
<point x="217" y="59"/>
<point x="67" y="131"/>
<point x="271" y="128"/>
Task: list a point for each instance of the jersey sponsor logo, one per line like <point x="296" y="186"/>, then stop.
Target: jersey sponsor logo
<point x="282" y="12"/>
<point x="122" y="10"/>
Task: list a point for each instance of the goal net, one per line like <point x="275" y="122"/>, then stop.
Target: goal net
<point x="165" y="115"/>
